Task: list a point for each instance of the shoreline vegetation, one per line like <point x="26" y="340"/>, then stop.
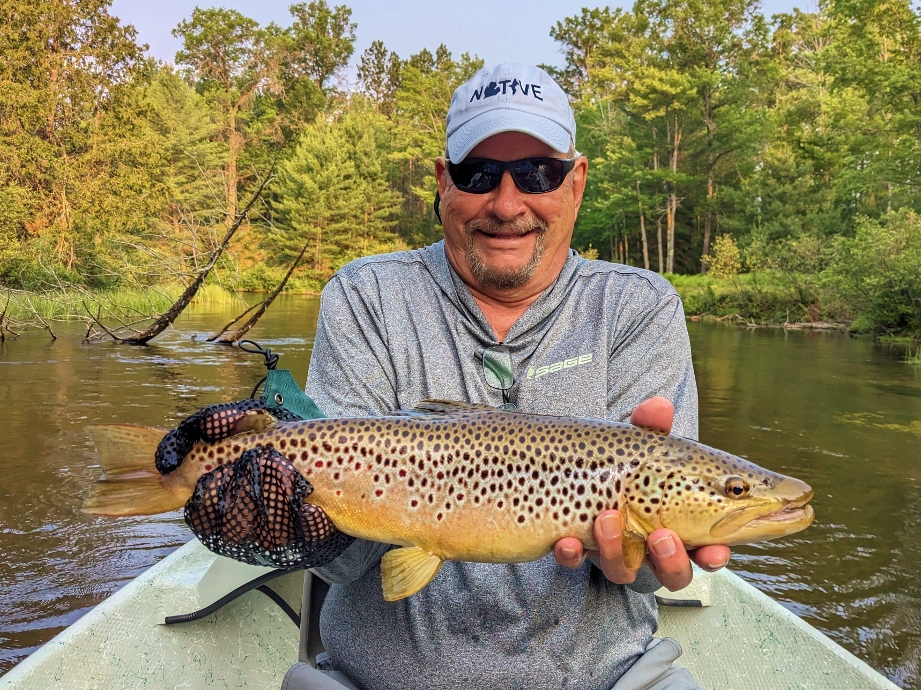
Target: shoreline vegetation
<point x="769" y="166"/>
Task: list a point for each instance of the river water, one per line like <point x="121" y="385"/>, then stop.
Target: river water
<point x="842" y="414"/>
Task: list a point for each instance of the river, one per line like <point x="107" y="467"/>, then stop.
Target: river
<point x="843" y="414"/>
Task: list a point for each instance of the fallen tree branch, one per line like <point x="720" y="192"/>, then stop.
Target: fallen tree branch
<point x="263" y="307"/>
<point x="162" y="322"/>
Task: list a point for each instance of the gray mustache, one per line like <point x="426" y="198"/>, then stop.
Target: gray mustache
<point x="518" y="226"/>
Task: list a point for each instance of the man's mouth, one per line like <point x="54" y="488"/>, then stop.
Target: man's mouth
<point x="509" y="231"/>
<point x="516" y="234"/>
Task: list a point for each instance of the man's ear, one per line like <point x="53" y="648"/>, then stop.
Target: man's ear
<point x="579" y="176"/>
<point x="441" y="174"/>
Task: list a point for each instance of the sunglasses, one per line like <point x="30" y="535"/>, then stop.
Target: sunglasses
<point x="531" y="175"/>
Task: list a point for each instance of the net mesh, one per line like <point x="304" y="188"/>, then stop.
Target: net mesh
<point x="212" y="423"/>
<point x="254" y="511"/>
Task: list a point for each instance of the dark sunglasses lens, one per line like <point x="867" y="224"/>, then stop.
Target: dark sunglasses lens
<point x="536" y="175"/>
<point x="532" y="175"/>
<point x="476" y="177"/>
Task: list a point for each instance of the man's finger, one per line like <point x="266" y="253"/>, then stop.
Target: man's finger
<point x="655" y="413"/>
<point x="609" y="537"/>
<point x="569" y="552"/>
<point x="711" y="558"/>
<point x="669" y="560"/>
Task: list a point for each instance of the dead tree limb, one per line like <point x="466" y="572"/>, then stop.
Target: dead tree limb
<point x="235" y="320"/>
<point x="263" y="307"/>
<point x="3" y="316"/>
<point x="166" y="319"/>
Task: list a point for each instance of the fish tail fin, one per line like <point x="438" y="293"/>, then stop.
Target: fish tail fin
<point x="130" y="484"/>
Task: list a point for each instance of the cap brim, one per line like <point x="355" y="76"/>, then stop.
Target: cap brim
<point x="463" y="141"/>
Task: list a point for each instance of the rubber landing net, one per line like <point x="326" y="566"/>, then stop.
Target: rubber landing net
<point x="254" y="510"/>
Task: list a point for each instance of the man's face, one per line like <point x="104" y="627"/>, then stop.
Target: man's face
<point x="508" y="243"/>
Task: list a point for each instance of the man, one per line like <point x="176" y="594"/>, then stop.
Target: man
<point x="400" y="328"/>
<point x="582" y="338"/>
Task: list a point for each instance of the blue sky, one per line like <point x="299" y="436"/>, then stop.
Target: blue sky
<point x="494" y="30"/>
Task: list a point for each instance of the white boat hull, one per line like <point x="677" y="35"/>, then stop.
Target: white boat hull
<point x="742" y="639"/>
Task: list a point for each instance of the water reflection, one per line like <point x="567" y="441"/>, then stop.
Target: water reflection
<point x="842" y="415"/>
<point x="58" y="562"/>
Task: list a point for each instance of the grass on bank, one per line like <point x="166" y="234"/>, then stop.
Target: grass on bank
<point x="763" y="297"/>
<point x="72" y="304"/>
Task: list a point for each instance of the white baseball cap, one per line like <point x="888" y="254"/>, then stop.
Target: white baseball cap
<point x="509" y="98"/>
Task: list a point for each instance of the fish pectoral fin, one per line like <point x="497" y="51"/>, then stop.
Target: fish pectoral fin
<point x="634" y="549"/>
<point x="406" y="570"/>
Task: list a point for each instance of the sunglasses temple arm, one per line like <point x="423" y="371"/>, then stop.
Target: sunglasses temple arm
<point x="437" y="206"/>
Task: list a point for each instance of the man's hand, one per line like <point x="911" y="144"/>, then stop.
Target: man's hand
<point x="667" y="557"/>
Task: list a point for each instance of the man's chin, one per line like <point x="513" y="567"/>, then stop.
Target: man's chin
<point x="502" y="276"/>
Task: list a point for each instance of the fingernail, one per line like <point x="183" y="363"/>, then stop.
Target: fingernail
<point x="717" y="565"/>
<point x="610" y="527"/>
<point x="568" y="554"/>
<point x="664" y="547"/>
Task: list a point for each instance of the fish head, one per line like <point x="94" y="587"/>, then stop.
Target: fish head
<point x="708" y="496"/>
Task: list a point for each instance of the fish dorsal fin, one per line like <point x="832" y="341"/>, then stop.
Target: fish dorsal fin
<point x="406" y="570"/>
<point x="445" y="408"/>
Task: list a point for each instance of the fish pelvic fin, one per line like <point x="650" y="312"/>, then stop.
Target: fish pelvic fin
<point x="406" y="570"/>
<point x="130" y="484"/>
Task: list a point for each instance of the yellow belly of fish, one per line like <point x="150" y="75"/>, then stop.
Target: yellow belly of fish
<point x="452" y="530"/>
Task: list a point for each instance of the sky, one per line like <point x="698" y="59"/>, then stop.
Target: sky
<point x="495" y="30"/>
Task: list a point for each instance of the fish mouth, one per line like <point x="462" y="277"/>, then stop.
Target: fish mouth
<point x="742" y="526"/>
<point x="792" y="512"/>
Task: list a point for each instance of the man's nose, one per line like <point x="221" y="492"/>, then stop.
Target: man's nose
<point x="508" y="200"/>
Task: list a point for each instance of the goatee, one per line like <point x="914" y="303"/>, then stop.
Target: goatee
<point x="504" y="278"/>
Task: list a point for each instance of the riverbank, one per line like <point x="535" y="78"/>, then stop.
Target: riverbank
<point x="763" y="298"/>
<point x="767" y="298"/>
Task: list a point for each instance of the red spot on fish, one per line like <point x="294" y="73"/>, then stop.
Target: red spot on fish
<point x="414" y="503"/>
<point x="402" y="473"/>
<point x="318" y="463"/>
<point x="379" y="493"/>
<point x="357" y="465"/>
<point x="338" y="493"/>
<point x="208" y="468"/>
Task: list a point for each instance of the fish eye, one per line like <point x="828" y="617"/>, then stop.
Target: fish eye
<point x="736" y="487"/>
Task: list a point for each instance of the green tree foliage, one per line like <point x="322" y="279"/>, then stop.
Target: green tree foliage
<point x="798" y="135"/>
<point x="379" y="76"/>
<point x="71" y="164"/>
<point x="421" y="103"/>
<point x="876" y="272"/>
<point x="333" y="193"/>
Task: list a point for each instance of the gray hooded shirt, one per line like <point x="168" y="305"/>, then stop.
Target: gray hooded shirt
<point x="399" y="328"/>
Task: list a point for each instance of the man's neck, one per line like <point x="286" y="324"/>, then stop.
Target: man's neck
<point x="502" y="313"/>
<point x="503" y="307"/>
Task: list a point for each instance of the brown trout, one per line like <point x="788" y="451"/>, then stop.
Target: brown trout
<point x="454" y="481"/>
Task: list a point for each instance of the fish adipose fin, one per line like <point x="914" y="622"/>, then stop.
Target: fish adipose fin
<point x="130" y="484"/>
<point x="444" y="408"/>
<point x="406" y="570"/>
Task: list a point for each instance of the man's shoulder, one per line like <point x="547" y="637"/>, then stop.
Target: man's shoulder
<point x="621" y="278"/>
<point x="393" y="265"/>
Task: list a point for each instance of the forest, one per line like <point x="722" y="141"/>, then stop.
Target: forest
<point x="769" y="166"/>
